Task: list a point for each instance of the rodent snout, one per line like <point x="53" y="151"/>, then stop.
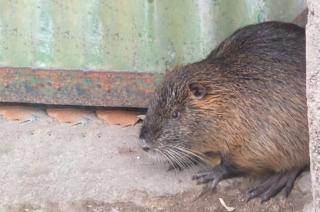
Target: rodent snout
<point x="144" y="145"/>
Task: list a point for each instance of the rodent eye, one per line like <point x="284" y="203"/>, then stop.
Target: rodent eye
<point x="175" y="114"/>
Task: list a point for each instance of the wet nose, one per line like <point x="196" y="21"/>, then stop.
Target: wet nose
<point x="144" y="145"/>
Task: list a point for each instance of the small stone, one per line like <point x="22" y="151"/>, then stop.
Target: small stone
<point x="304" y="183"/>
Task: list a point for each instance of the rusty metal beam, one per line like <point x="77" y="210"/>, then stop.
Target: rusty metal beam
<point x="76" y="87"/>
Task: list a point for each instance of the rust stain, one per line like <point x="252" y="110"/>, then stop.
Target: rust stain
<point x="5" y="80"/>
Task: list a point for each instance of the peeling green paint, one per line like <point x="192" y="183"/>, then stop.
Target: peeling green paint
<point x="135" y="35"/>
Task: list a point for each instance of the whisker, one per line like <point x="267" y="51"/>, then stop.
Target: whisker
<point x="157" y="160"/>
<point x="176" y="157"/>
<point x="202" y="161"/>
<point x="185" y="158"/>
<point x="168" y="157"/>
<point x="190" y="152"/>
<point x="190" y="158"/>
<point x="182" y="159"/>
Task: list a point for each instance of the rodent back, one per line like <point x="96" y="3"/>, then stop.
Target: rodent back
<point x="266" y="63"/>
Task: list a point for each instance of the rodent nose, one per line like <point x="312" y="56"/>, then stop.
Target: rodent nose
<point x="144" y="145"/>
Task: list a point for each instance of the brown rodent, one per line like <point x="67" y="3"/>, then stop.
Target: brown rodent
<point x="245" y="102"/>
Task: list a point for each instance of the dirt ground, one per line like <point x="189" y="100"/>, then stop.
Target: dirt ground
<point x="47" y="166"/>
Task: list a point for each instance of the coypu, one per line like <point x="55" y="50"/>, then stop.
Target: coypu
<point x="245" y="102"/>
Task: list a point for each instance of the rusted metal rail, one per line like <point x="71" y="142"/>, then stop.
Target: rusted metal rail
<point x="87" y="88"/>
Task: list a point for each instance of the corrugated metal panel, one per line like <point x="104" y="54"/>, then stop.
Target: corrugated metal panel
<point x="134" y="35"/>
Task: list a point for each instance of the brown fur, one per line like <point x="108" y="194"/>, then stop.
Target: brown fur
<point x="254" y="111"/>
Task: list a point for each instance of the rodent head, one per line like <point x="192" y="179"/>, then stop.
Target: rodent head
<point x="183" y="114"/>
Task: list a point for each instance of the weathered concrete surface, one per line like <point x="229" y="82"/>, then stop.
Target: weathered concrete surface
<point x="46" y="166"/>
<point x="45" y="161"/>
<point x="313" y="94"/>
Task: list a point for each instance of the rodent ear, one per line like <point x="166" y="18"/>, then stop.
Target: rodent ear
<point x="198" y="90"/>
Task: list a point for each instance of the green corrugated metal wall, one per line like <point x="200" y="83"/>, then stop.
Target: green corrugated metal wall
<point x="135" y="35"/>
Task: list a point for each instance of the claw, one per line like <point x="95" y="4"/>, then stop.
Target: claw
<point x="272" y="186"/>
<point x="251" y="196"/>
<point x="202" y="174"/>
<point x="211" y="177"/>
<point x="287" y="191"/>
